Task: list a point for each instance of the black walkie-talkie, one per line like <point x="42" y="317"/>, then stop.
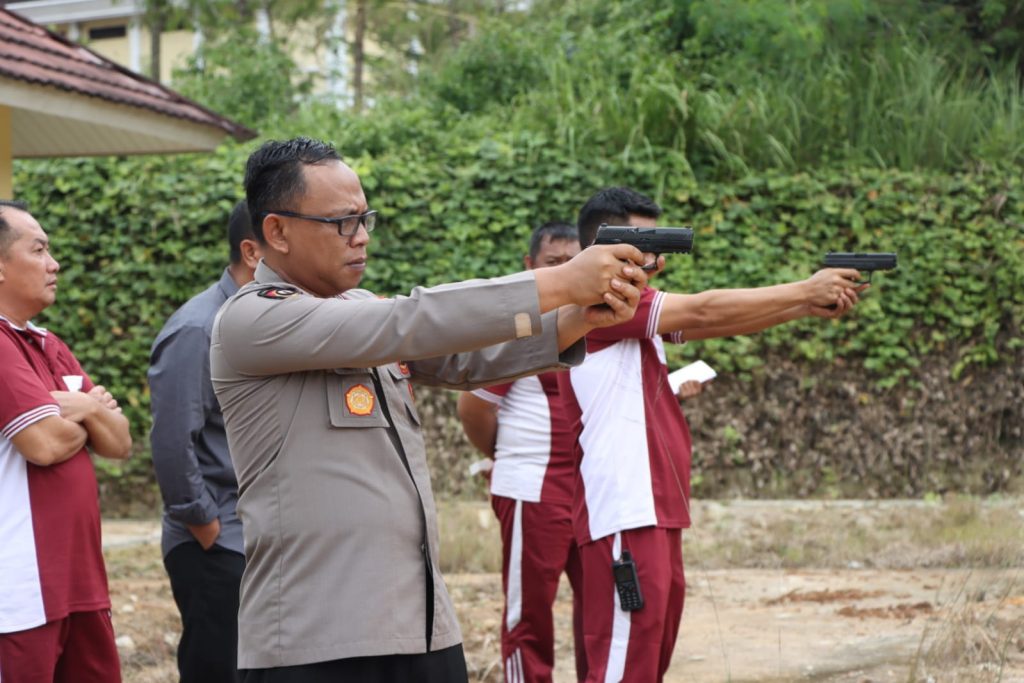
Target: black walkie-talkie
<point x="627" y="582"/>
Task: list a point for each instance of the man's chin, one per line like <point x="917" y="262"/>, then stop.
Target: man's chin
<point x="352" y="281"/>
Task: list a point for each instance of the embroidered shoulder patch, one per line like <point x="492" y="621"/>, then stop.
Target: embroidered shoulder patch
<point x="277" y="293"/>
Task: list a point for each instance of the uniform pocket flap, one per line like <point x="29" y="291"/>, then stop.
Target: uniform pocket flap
<point x="401" y="377"/>
<point x="399" y="371"/>
<point x="353" y="402"/>
<point x="352" y="371"/>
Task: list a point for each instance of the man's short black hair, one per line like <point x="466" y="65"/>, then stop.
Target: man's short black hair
<point x="614" y="206"/>
<point x="554" y="231"/>
<point x="7" y="235"/>
<point x="239" y="228"/>
<point x="273" y="175"/>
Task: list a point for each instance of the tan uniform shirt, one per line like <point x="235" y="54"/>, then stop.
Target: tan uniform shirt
<point x="339" y="520"/>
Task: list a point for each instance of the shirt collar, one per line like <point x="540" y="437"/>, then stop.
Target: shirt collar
<point x="28" y="328"/>
<point x="227" y="284"/>
<point x="265" y="275"/>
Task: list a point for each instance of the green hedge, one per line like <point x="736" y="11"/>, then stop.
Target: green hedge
<point x="137" y="237"/>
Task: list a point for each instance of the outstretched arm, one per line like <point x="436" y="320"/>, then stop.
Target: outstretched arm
<point x="728" y="312"/>
<point x="764" y="322"/>
<point x="259" y="336"/>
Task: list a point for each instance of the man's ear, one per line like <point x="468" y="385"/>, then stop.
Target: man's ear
<point x="275" y="233"/>
<point x="251" y="253"/>
<point x="527" y="262"/>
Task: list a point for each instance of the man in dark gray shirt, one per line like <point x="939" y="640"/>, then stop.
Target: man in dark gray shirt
<point x="202" y="535"/>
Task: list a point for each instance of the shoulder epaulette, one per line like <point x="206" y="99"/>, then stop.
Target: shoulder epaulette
<point x="277" y="292"/>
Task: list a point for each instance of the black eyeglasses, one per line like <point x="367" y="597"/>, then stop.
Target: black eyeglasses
<point x="346" y="225"/>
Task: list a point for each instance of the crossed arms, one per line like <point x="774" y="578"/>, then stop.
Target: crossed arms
<point x="91" y="418"/>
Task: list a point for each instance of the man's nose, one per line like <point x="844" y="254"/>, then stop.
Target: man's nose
<point x="360" y="237"/>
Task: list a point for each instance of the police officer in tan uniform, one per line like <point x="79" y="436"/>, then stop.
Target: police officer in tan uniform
<point x="313" y="377"/>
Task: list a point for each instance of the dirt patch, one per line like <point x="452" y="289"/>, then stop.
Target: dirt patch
<point x="730" y="632"/>
<point x="901" y="611"/>
<point x="843" y="607"/>
<point x="823" y="596"/>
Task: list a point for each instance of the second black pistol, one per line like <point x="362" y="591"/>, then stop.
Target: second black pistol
<point x="865" y="261"/>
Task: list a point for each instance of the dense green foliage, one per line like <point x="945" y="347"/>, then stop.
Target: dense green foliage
<point x="723" y="87"/>
<point x="230" y="68"/>
<point x="778" y="129"/>
<point x="137" y="237"/>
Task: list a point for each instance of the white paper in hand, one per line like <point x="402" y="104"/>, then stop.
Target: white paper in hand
<point x="698" y="370"/>
<point x="480" y="466"/>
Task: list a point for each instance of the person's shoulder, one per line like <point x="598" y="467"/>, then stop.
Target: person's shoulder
<point x="61" y="346"/>
<point x="8" y="341"/>
<point x="256" y="296"/>
<point x="265" y="293"/>
<point x="360" y="294"/>
<point x="196" y="313"/>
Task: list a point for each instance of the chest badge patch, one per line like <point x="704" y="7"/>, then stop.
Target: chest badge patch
<point x="403" y="367"/>
<point x="277" y="293"/>
<point x="359" y="400"/>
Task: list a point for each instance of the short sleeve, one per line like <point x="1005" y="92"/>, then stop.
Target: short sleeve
<point x="494" y="394"/>
<point x="643" y="325"/>
<point x="673" y="337"/>
<point x="24" y="399"/>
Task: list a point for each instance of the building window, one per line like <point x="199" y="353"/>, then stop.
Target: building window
<point x="101" y="32"/>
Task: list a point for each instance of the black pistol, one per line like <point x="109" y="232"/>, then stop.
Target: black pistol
<point x="861" y="261"/>
<point x="655" y="241"/>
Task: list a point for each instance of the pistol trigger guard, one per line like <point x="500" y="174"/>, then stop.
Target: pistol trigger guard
<point x="651" y="266"/>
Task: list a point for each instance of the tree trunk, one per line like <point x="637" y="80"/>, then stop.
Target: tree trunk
<point x="246" y="12"/>
<point x="157" y="24"/>
<point x="454" y="25"/>
<point x="359" y="55"/>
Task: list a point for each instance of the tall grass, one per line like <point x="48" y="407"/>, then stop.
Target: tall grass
<point x="976" y="640"/>
<point x="899" y="104"/>
<point x="598" y="97"/>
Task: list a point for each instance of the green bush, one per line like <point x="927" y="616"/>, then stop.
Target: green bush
<point x="137" y="237"/>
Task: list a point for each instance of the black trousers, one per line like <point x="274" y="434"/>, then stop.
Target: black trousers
<point x="442" y="666"/>
<point x="205" y="585"/>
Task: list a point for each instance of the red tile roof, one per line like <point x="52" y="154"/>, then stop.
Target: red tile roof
<point x="30" y="53"/>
